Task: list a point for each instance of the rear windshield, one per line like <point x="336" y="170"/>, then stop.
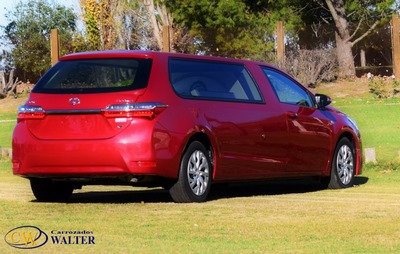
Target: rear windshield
<point x="95" y="76"/>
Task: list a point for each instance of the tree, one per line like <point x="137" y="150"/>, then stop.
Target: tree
<point x="137" y="29"/>
<point x="235" y="28"/>
<point x="28" y="34"/>
<point x="113" y="24"/>
<point x="143" y="21"/>
<point x="353" y="20"/>
<point x="159" y="17"/>
<point x="103" y="21"/>
<point x="91" y="16"/>
<point x="7" y="87"/>
<point x="377" y="47"/>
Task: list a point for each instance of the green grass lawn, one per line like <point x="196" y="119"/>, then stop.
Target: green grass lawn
<point x="6" y="129"/>
<point x="272" y="217"/>
<point x="379" y="123"/>
<point x="8" y="116"/>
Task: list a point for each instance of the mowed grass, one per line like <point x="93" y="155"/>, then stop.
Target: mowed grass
<point x="6" y="129"/>
<point x="271" y="217"/>
<point x="378" y="119"/>
<point x="379" y="122"/>
<point x="8" y="116"/>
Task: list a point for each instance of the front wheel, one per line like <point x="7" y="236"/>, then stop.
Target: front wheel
<point x="343" y="165"/>
<point x="194" y="180"/>
<point x="47" y="191"/>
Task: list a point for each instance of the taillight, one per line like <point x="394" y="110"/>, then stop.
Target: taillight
<point x="147" y="110"/>
<point x="30" y="112"/>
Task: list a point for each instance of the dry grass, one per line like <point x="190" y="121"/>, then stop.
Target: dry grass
<point x="356" y="88"/>
<point x="11" y="104"/>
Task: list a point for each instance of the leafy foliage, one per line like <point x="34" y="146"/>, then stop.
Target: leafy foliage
<point x="117" y="24"/>
<point x="29" y="34"/>
<point x="232" y="28"/>
<point x="383" y="87"/>
<point x="91" y="14"/>
<point x="102" y="19"/>
<point x="354" y="20"/>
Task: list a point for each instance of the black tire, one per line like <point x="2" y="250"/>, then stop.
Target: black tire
<point x="47" y="191"/>
<point x="343" y="165"/>
<point x="194" y="179"/>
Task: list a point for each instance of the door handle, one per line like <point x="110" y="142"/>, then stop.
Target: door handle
<point x="291" y="114"/>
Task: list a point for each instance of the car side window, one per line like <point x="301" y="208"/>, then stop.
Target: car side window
<point x="198" y="79"/>
<point x="287" y="90"/>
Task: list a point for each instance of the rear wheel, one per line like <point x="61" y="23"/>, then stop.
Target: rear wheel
<point x="343" y="165"/>
<point x="194" y="180"/>
<point x="49" y="191"/>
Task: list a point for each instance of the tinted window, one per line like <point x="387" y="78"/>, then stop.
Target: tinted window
<point x="287" y="90"/>
<point x="212" y="80"/>
<point x="98" y="75"/>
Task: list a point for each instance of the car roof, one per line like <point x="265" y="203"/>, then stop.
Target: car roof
<point x="151" y="55"/>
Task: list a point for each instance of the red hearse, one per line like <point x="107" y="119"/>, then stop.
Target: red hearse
<point x="178" y="121"/>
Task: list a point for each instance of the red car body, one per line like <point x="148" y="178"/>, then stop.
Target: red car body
<point x="139" y="135"/>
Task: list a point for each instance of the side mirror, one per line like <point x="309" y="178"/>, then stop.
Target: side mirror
<point x="322" y="100"/>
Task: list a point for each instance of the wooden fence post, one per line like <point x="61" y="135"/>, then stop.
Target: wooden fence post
<point x="280" y="34"/>
<point x="396" y="45"/>
<point x="166" y="38"/>
<point x="54" y="45"/>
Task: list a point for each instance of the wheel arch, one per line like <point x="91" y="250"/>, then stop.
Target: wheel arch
<point x="353" y="139"/>
<point x="347" y="135"/>
<point x="203" y="138"/>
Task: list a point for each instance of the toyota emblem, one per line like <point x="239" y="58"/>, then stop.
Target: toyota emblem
<point x="74" y="101"/>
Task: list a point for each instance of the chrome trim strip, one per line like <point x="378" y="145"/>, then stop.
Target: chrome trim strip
<point x="72" y="111"/>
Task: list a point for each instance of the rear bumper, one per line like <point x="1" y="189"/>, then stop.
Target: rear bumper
<point x="118" y="156"/>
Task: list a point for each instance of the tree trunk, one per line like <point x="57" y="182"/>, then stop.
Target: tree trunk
<point x="155" y="24"/>
<point x="343" y="39"/>
<point x="165" y="19"/>
<point x="345" y="57"/>
<point x="363" y="59"/>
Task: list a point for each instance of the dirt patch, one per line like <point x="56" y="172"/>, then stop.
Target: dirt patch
<point x="356" y="88"/>
<point x="11" y="104"/>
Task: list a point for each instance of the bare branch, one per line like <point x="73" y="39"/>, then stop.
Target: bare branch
<point x="312" y="66"/>
<point x="365" y="34"/>
<point x="10" y="79"/>
<point x="356" y="30"/>
<point x="325" y="20"/>
<point x="12" y="89"/>
<point x="315" y="28"/>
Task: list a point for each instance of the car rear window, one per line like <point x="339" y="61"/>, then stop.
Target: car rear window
<point x="197" y="79"/>
<point x="95" y="76"/>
